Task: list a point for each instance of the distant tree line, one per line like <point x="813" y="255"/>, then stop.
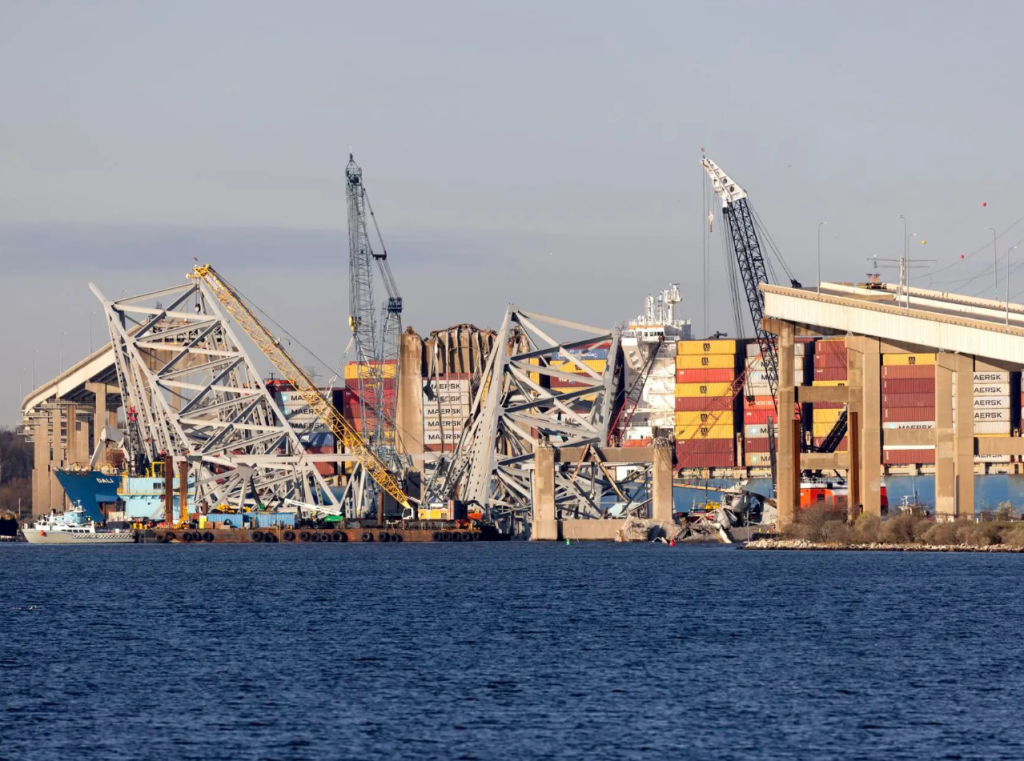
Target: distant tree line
<point x="15" y="472"/>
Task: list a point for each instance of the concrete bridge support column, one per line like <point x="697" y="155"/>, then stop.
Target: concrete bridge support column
<point x="41" y="468"/>
<point x="945" y="462"/>
<point x="409" y="413"/>
<point x="788" y="459"/>
<point x="99" y="418"/>
<point x="58" y="456"/>
<point x="963" y="437"/>
<point x="78" y="437"/>
<point x="545" y="527"/>
<point x="864" y="364"/>
<point x="661" y="478"/>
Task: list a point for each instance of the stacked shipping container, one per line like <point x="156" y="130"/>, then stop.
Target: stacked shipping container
<point x="357" y="373"/>
<point x="705" y="417"/>
<point x="758" y="403"/>
<point x="992" y="413"/>
<point x="446" y="402"/>
<point x="829" y="370"/>
<point x="908" y="401"/>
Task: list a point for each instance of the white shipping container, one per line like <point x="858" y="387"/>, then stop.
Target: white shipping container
<point x="992" y="402"/>
<point x="990" y="377"/>
<point x="446" y="399"/>
<point x="757" y="431"/>
<point x="992" y="427"/>
<point x="433" y="424"/>
<point x="440" y="385"/>
<point x="799" y="349"/>
<point x="991" y="458"/>
<point x="992" y="416"/>
<point x="991" y="389"/>
<point x="911" y="425"/>
<point x="437" y="437"/>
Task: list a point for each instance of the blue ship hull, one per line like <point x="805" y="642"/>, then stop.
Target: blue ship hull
<point x="90" y="489"/>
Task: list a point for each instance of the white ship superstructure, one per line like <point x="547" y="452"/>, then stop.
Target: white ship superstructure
<point x="657" y="330"/>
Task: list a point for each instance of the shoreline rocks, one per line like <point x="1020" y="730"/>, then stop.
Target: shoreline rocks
<point x="803" y="544"/>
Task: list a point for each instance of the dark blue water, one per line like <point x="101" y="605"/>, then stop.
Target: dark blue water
<point x="507" y="651"/>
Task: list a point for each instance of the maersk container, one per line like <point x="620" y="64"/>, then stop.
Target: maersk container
<point x="992" y="402"/>
<point x="992" y="427"/>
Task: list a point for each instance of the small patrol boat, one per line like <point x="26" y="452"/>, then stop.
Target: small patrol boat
<point x="73" y="527"/>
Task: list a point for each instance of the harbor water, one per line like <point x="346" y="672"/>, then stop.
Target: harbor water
<point x="507" y="650"/>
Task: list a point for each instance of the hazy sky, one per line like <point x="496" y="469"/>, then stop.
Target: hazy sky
<point x="542" y="153"/>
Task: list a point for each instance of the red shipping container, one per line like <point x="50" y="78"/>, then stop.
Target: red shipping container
<point x="759" y="402"/>
<point x="907" y="414"/>
<point x="756" y="444"/>
<point x="706" y="375"/>
<point x="704" y="403"/>
<point x="830" y="358"/>
<point x="907" y="371"/>
<point x="706" y="446"/>
<point x="908" y="386"/>
<point x="837" y="373"/>
<point x="325" y="468"/>
<point x="828" y="405"/>
<point x="908" y="456"/>
<point x="843" y="445"/>
<point x="908" y="400"/>
<point x="758" y="416"/>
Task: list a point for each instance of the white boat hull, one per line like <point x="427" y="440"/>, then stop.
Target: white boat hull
<point x="39" y="536"/>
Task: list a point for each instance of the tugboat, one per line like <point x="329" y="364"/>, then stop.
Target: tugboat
<point x="73" y="527"/>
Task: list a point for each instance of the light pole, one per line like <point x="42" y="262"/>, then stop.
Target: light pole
<point x="819" y="255"/>
<point x="62" y="352"/>
<point x="1008" y="284"/>
<point x="995" y="261"/>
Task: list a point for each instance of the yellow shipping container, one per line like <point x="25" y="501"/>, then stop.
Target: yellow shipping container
<point x="900" y="360"/>
<point x="687" y="432"/>
<point x="821" y="430"/>
<point x="705" y="362"/>
<point x="706" y="347"/>
<point x="684" y="419"/>
<point x="832" y="384"/>
<point x="711" y="390"/>
<point x="826" y="416"/>
<point x="354" y="370"/>
<point x="565" y="365"/>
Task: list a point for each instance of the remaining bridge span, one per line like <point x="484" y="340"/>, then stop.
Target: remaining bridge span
<point x="967" y="334"/>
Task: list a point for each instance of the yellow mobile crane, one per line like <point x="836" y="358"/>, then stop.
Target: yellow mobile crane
<point x="300" y="381"/>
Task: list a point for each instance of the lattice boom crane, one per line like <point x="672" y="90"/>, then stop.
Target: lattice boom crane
<point x="272" y="349"/>
<point x="750" y="259"/>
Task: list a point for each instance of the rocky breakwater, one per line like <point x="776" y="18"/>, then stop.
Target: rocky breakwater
<point x="804" y="544"/>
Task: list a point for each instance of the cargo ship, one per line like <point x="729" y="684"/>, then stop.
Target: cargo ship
<point x="94" y="490"/>
<point x="657" y="331"/>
